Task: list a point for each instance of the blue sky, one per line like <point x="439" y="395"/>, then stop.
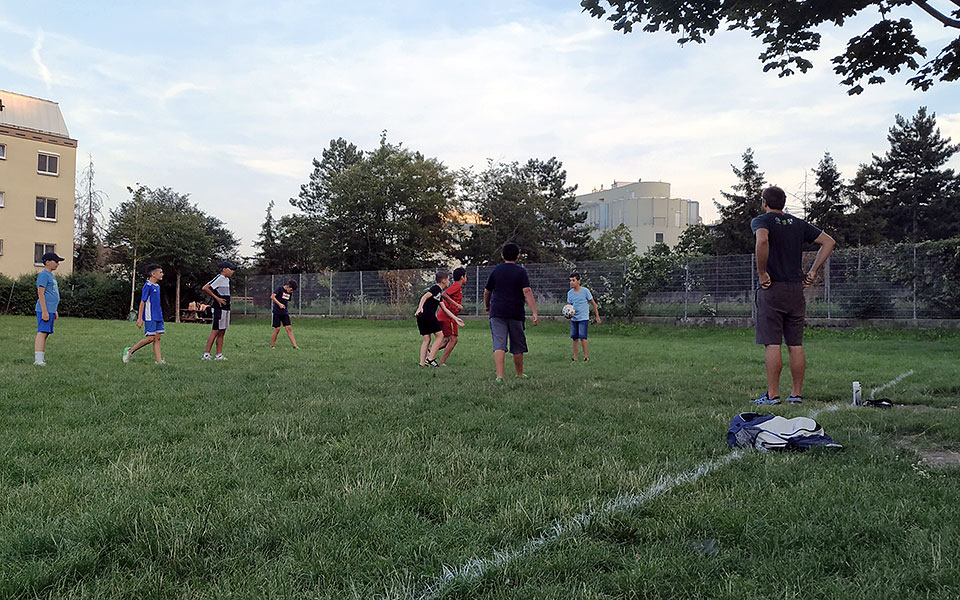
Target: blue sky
<point x="230" y="101"/>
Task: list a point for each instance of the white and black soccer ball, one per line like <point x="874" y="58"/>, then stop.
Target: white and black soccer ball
<point x="568" y="311"/>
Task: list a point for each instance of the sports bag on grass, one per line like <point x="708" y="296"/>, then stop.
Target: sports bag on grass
<point x="770" y="432"/>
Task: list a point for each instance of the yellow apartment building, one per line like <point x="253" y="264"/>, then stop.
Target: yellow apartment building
<point x="38" y="165"/>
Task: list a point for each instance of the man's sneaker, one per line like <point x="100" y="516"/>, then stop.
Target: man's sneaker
<point x="586" y="358"/>
<point x="126" y="354"/>
<point x="160" y="362"/>
<point x="498" y="380"/>
<point x="206" y="356"/>
<point x="432" y="363"/>
<point x="523" y="376"/>
<point x="798" y="399"/>
<point x="39" y="364"/>
<point x="219" y="357"/>
<point x="766" y="399"/>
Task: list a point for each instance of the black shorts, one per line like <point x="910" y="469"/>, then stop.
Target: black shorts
<point x="221" y="318"/>
<point x="428" y="324"/>
<point x="281" y="320"/>
<point x="781" y="309"/>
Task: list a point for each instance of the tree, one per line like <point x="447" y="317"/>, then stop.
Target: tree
<point x="289" y="245"/>
<point x="528" y="204"/>
<point x="695" y="240"/>
<point x="733" y="234"/>
<point x="88" y="222"/>
<point x="908" y="191"/>
<point x="164" y="227"/>
<point x="789" y="32"/>
<point x="614" y="243"/>
<point x="828" y="209"/>
<point x="384" y="209"/>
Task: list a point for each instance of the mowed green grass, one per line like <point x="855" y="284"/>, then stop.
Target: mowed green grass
<point x="344" y="470"/>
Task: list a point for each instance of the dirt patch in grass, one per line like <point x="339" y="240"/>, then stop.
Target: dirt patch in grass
<point x="931" y="456"/>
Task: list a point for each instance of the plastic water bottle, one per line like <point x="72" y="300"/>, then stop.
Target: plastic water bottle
<point x="856" y="393"/>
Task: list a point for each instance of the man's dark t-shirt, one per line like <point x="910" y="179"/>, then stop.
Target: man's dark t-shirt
<point x="283" y="297"/>
<point x="431" y="304"/>
<point x="506" y="283"/>
<point x="787" y="235"/>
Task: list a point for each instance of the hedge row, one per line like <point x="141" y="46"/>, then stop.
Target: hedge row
<point x="88" y="295"/>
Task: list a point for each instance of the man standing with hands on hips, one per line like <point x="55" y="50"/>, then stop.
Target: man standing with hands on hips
<point x="508" y="286"/>
<point x="781" y="307"/>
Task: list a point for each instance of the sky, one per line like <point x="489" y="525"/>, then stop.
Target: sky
<point x="229" y="101"/>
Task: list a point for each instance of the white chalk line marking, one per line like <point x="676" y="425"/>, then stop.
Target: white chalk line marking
<point x="890" y="383"/>
<point x="476" y="568"/>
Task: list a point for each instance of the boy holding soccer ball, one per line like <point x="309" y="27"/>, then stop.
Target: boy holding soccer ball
<point x="149" y="316"/>
<point x="581" y="299"/>
<point x="427" y="321"/>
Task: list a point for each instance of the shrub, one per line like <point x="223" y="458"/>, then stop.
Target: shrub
<point x="89" y="295"/>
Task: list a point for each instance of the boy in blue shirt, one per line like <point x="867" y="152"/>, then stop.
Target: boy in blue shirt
<point x="149" y="316"/>
<point x="48" y="300"/>
<point x="581" y="299"/>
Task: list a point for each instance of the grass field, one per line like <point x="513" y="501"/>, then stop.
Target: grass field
<point x="343" y="470"/>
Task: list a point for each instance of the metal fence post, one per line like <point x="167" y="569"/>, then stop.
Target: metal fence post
<point x="826" y="278"/>
<point x="361" y="293"/>
<point x="686" y="288"/>
<point x="476" y="299"/>
<point x="245" y="298"/>
<point x="914" y="282"/>
<point x="300" y="296"/>
<point x="624" y="280"/>
<point x="272" y="287"/>
<point x="330" y="287"/>
<point x="753" y="285"/>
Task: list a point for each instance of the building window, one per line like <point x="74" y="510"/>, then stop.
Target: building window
<point x="676" y="219"/>
<point x="1" y="199"/>
<point x="659" y="238"/>
<point x="46" y="209"/>
<point x="48" y="164"/>
<point x="3" y="151"/>
<point x="39" y="250"/>
<point x="1" y="247"/>
<point x="603" y="221"/>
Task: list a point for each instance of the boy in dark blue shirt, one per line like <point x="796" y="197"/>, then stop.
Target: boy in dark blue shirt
<point x="280" y="300"/>
<point x="149" y="316"/>
<point x="508" y="287"/>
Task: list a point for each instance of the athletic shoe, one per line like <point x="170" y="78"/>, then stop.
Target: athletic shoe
<point x="160" y="362"/>
<point x="296" y="347"/>
<point x="498" y="380"/>
<point x="273" y="347"/>
<point x="206" y="356"/>
<point x="39" y="364"/>
<point x="126" y="354"/>
<point x="573" y="359"/>
<point x="794" y="399"/>
<point x="524" y="376"/>
<point x="432" y="363"/>
<point x="219" y="357"/>
<point x="765" y="399"/>
<point x="585" y="359"/>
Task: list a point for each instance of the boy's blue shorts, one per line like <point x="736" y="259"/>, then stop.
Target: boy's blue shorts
<point x="44" y="326"/>
<point x="153" y="327"/>
<point x="578" y="330"/>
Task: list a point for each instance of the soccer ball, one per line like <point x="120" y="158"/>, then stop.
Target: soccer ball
<point x="568" y="311"/>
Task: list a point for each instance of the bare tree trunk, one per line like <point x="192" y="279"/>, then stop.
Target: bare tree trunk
<point x="176" y="314"/>
<point x="133" y="281"/>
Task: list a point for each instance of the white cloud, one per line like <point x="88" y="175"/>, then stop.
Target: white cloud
<point x="42" y="69"/>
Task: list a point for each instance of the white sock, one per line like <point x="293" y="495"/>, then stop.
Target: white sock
<point x="38" y="357"/>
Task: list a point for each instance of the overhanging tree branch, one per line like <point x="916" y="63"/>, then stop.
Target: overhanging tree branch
<point x="936" y="14"/>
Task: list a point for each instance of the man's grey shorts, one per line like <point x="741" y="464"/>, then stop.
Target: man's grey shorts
<point x="512" y="329"/>
<point x="780" y="312"/>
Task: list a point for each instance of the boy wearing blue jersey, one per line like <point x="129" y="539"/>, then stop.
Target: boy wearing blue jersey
<point x="149" y="316"/>
<point x="48" y="300"/>
<point x="581" y="299"/>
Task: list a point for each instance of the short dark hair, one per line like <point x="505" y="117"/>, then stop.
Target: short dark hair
<point x="458" y="273"/>
<point x="292" y="284"/>
<point x="575" y="276"/>
<point x="151" y="268"/>
<point x="442" y="274"/>
<point x="774" y="198"/>
<point x="510" y="251"/>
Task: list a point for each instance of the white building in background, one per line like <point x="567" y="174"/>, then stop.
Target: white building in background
<point x="645" y="207"/>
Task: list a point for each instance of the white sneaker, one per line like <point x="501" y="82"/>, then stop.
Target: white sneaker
<point x="126" y="354"/>
<point x="39" y="364"/>
<point x="160" y="362"/>
<point x="206" y="356"/>
<point x="219" y="357"/>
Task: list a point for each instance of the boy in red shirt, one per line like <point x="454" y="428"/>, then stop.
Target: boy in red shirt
<point x="453" y="300"/>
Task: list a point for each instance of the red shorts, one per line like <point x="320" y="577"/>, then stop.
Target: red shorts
<point x="449" y="328"/>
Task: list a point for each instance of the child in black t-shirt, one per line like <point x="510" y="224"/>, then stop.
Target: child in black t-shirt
<point x="280" y="299"/>
<point x="427" y="320"/>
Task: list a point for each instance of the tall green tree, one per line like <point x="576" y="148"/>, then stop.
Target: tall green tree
<point x="383" y="209"/>
<point x="289" y="244"/>
<point x="908" y="189"/>
<point x="695" y="240"/>
<point x="529" y="204"/>
<point x="733" y="234"/>
<point x="790" y="31"/>
<point x="164" y="227"/>
<point x="828" y="209"/>
<point x="614" y="243"/>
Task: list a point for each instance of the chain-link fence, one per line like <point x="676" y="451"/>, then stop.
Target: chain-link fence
<point x="854" y="284"/>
